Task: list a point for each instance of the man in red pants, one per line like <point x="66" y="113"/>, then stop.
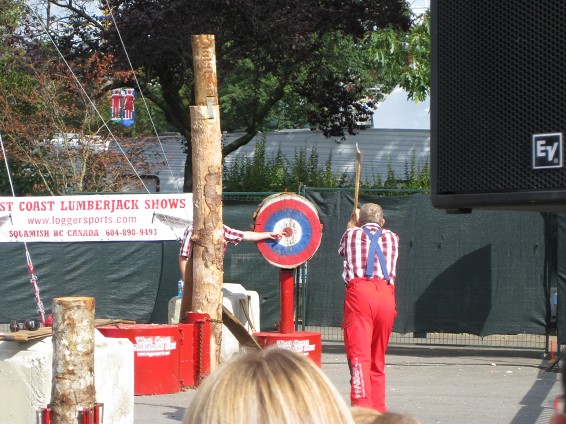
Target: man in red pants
<point x="369" y="307"/>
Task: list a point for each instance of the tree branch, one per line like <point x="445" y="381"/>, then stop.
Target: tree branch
<point x="79" y="11"/>
<point x="258" y="118"/>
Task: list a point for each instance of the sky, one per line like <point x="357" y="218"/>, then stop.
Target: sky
<point x="419" y="6"/>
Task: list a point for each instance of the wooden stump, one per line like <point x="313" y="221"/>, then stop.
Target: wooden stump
<point x="72" y="387"/>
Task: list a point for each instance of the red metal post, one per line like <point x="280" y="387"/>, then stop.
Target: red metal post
<point x="99" y="413"/>
<point x="201" y="343"/>
<point x="186" y="355"/>
<point x="86" y="416"/>
<point x="46" y="416"/>
<point x="287" y="289"/>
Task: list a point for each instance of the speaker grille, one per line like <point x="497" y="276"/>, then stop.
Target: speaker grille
<point x="499" y="76"/>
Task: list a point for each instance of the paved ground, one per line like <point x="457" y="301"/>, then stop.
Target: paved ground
<point x="439" y="385"/>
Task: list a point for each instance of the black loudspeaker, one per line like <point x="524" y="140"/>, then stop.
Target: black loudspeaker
<point x="498" y="104"/>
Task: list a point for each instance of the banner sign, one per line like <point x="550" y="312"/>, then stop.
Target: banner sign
<point x="120" y="217"/>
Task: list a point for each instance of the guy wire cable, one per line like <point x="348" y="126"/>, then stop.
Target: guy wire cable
<point x="98" y="112"/>
<point x="141" y="94"/>
<point x="170" y="221"/>
<point x="33" y="278"/>
<point x="88" y="97"/>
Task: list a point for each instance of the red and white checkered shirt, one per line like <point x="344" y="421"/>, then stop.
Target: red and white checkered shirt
<point x="354" y="246"/>
<point x="231" y="236"/>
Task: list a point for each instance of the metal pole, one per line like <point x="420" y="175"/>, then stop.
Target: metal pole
<point x="287" y="288"/>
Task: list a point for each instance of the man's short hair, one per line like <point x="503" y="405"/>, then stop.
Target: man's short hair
<point x="371" y="213"/>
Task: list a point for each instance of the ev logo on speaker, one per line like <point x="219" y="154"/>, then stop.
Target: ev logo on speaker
<point x="547" y="151"/>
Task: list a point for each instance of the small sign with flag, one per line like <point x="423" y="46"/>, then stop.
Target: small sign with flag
<point x="122" y="106"/>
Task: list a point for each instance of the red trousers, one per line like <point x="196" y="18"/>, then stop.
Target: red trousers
<point x="369" y="312"/>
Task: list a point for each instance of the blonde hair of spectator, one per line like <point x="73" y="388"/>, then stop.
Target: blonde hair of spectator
<point x="274" y="386"/>
<point x="372" y="416"/>
<point x="395" y="418"/>
<point x="364" y="415"/>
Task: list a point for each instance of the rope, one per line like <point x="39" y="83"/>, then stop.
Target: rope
<point x="247" y="314"/>
<point x="33" y="281"/>
<point x="33" y="278"/>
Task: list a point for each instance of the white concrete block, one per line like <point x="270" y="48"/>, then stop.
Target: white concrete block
<point x="174" y="310"/>
<point x="244" y="304"/>
<point x="26" y="372"/>
<point x="252" y="308"/>
<point x="235" y="303"/>
<point x="114" y="378"/>
<point x="25" y="380"/>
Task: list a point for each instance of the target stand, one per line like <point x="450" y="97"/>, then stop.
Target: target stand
<point x="297" y="218"/>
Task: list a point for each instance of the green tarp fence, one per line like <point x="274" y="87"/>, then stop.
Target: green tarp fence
<point x="488" y="272"/>
<point x="480" y="273"/>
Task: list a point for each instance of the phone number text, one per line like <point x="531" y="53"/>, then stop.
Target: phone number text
<point x="126" y="232"/>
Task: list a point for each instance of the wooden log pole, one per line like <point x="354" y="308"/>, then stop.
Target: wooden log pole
<point x="206" y="138"/>
<point x="72" y="384"/>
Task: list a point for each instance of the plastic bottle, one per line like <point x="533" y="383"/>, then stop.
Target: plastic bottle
<point x="180" y="288"/>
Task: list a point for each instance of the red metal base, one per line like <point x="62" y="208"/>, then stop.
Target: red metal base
<point x="92" y="415"/>
<point x="163" y="355"/>
<point x="305" y="342"/>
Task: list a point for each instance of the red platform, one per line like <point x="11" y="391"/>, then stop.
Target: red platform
<point x="306" y="342"/>
<point x="163" y="355"/>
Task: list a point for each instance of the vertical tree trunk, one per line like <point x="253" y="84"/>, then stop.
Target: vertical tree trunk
<point x="72" y="387"/>
<point x="208" y="252"/>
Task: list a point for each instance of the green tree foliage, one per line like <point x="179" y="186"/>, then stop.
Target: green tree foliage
<point x="280" y="62"/>
<point x="22" y="179"/>
<point x="17" y="86"/>
<point x="49" y="129"/>
<point x="403" y="57"/>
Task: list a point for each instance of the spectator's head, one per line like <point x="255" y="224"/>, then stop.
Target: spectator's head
<point x="395" y="418"/>
<point x="371" y="213"/>
<point x="371" y="416"/>
<point x="265" y="387"/>
<point x="364" y="415"/>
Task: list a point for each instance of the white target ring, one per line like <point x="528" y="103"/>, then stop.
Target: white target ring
<point x="297" y="219"/>
<point x="292" y="230"/>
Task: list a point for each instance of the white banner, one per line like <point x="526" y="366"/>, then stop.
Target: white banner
<point x="120" y="217"/>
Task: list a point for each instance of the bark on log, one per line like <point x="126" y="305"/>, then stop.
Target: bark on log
<point x="206" y="137"/>
<point x="72" y="387"/>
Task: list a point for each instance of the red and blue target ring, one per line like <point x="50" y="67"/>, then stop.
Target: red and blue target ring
<point x="298" y="219"/>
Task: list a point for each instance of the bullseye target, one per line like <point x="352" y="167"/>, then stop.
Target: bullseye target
<point x="297" y="218"/>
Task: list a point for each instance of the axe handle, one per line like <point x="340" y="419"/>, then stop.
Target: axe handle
<point x="358" y="173"/>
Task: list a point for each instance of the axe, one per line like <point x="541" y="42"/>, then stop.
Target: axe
<point x="238" y="330"/>
<point x="358" y="172"/>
